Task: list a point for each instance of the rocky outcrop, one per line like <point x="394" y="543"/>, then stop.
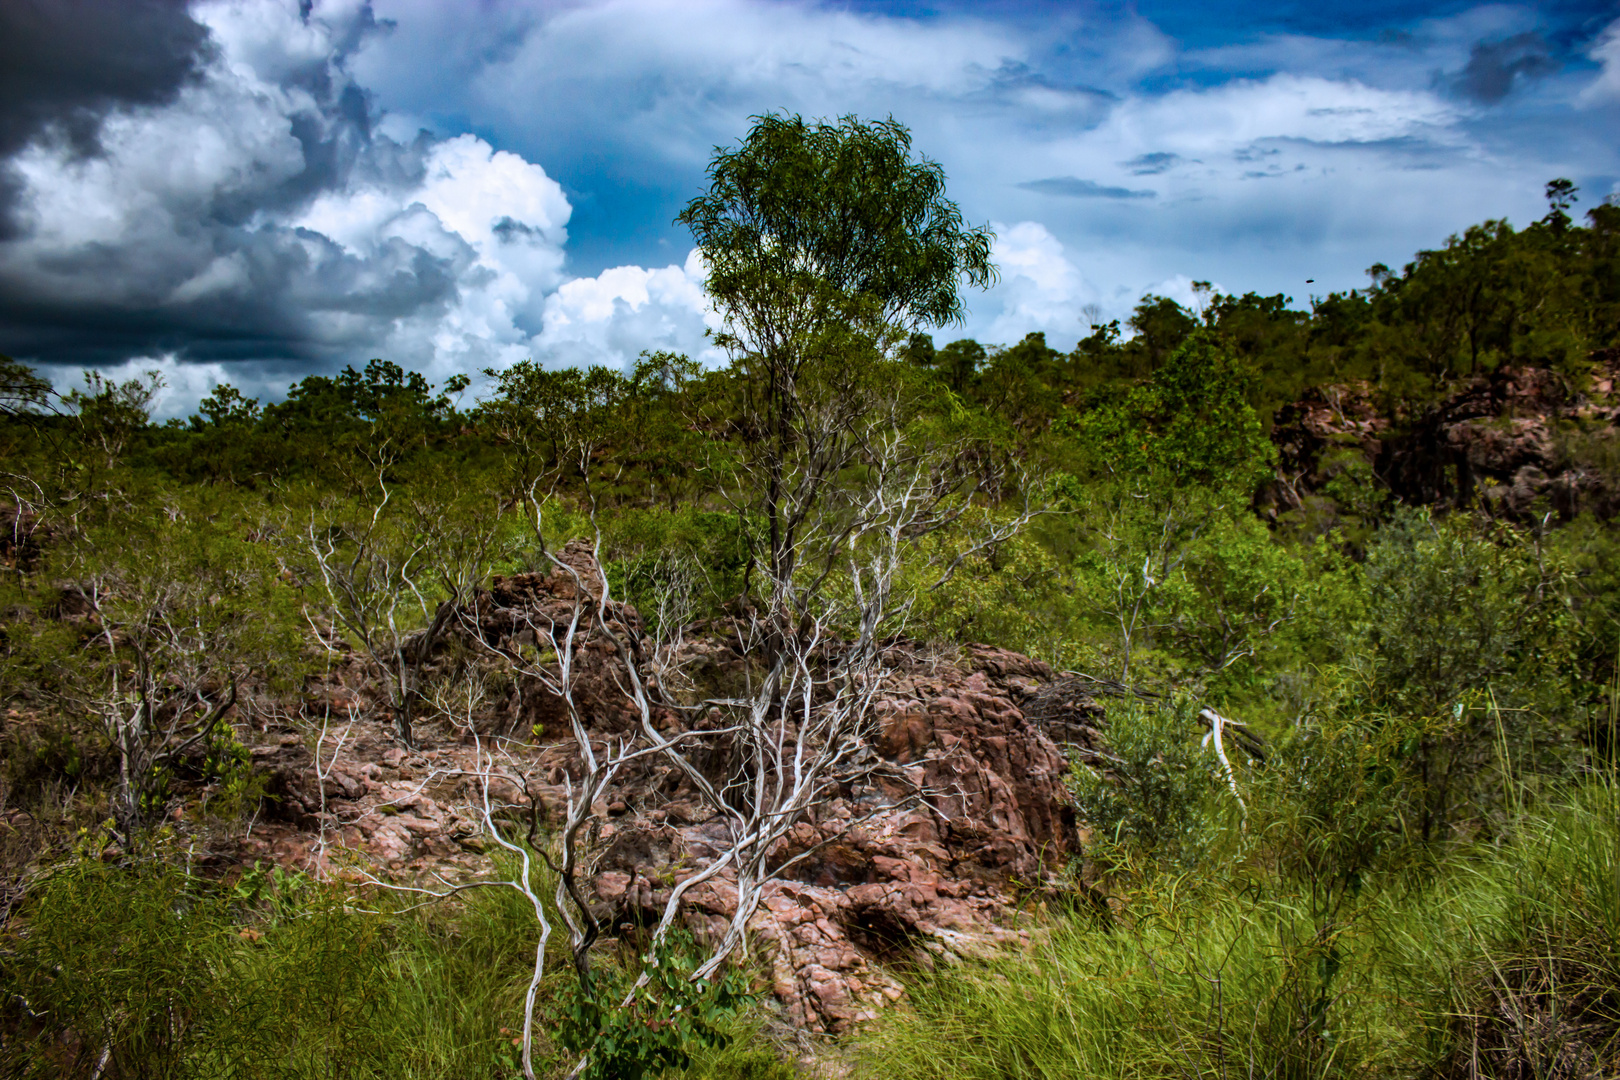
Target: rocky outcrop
<point x="875" y="878"/>
<point x="1517" y="442"/>
<point x="535" y="612"/>
<point x="875" y="887"/>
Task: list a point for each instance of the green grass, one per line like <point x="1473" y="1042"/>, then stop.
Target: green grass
<point x="1486" y="960"/>
<point x="1498" y="962"/>
<point x="164" y="976"/>
<point x="149" y="973"/>
<point x="1306" y="933"/>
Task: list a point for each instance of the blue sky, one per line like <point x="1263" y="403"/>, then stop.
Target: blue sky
<point x="279" y="188"/>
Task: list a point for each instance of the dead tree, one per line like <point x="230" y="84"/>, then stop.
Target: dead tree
<point x="158" y="682"/>
<point x="393" y="578"/>
<point x="550" y="660"/>
<point x="823" y="643"/>
<point x="600" y="762"/>
<point x="851" y="475"/>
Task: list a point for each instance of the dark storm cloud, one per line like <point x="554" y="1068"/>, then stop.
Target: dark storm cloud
<point x="1495" y="66"/>
<point x="218" y="269"/>
<point x="289" y="279"/>
<point x="1074" y="188"/>
<point x="64" y="63"/>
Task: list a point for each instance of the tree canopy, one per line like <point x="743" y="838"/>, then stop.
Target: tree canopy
<point x="807" y="221"/>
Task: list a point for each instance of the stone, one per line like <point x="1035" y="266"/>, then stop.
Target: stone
<point x="1511" y="440"/>
<point x="875" y="877"/>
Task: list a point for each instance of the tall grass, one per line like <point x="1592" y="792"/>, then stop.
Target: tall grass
<point x="1498" y="962"/>
<point x="116" y="974"/>
<point x="151" y="973"/>
<point x="1306" y="938"/>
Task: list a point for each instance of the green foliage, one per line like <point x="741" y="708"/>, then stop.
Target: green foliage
<point x="1191" y="424"/>
<point x="1013" y="596"/>
<point x="384" y="393"/>
<point x="1329" y="807"/>
<point x="1540" y="994"/>
<point x="959" y="362"/>
<point x="746" y="1055"/>
<point x="1201" y="986"/>
<point x="1234" y="591"/>
<point x="680" y="564"/>
<point x="1167" y="583"/>
<point x="125" y="990"/>
<point x="1447" y="609"/>
<point x="1466" y="634"/>
<point x="1022" y="384"/>
<point x="232" y="788"/>
<point x="553" y="424"/>
<point x="628" y="1032"/>
<point x="1162" y="794"/>
<point x="1318" y="954"/>
<point x="21" y="388"/>
<point x="1161" y="326"/>
<point x="823" y="214"/>
<point x="225" y="407"/>
<point x="1590" y="554"/>
<point x="178" y="616"/>
<point x="273" y="976"/>
<point x="1408" y="882"/>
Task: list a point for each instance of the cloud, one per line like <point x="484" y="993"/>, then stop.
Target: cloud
<point x="612" y="318"/>
<point x="624" y="100"/>
<point x="183" y="383"/>
<point x="1040" y="288"/>
<point x="1494" y="67"/>
<point x="494" y="222"/>
<point x="1237" y="114"/>
<point x="65" y="63"/>
<point x="1152" y="164"/>
<point x="1073" y="188"/>
<point x="1606" y="51"/>
<point x="172" y="234"/>
<point x="255" y="225"/>
<point x="257" y="217"/>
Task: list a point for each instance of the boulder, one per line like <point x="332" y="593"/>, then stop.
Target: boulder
<point x="928" y="858"/>
<point x="1509" y="442"/>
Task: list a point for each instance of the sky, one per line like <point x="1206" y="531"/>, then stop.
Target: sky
<point x="249" y="191"/>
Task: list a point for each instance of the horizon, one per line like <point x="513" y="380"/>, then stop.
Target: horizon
<point x="255" y="190"/>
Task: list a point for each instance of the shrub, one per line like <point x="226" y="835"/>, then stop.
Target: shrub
<point x="1465" y="638"/>
<point x="662" y="1023"/>
<point x="1162" y="794"/>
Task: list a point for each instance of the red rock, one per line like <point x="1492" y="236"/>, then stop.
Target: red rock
<point x="977" y="733"/>
<point x="1506" y="441"/>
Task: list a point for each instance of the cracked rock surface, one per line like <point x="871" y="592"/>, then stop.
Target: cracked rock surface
<point x="878" y="880"/>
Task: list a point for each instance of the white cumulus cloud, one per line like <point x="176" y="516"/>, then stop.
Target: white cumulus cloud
<point x="1606" y="51"/>
<point x="612" y="317"/>
<point x="1040" y="288"/>
<point x="257" y="219"/>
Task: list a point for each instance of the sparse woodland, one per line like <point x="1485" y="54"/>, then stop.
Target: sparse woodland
<point x="331" y="725"/>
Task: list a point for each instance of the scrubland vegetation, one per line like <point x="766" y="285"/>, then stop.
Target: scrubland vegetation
<point x="1413" y="869"/>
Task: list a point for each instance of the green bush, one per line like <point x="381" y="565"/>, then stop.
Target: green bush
<point x="1466" y="638"/>
<point x="628" y="1032"/>
<point x="150" y="972"/>
<point x="1162" y="794"/>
